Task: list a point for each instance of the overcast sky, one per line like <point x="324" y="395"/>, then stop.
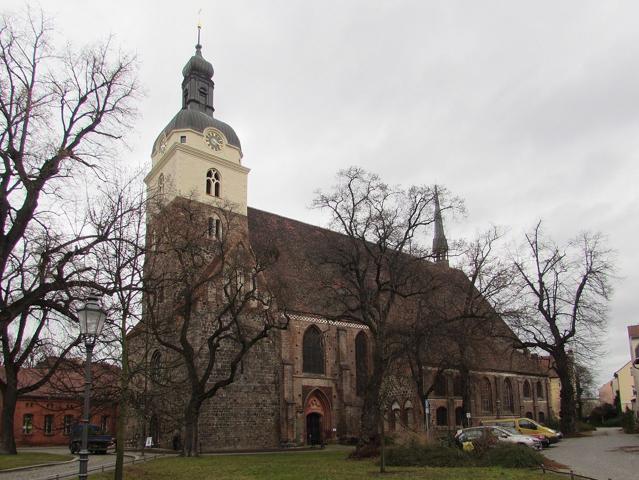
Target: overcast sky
<point x="527" y="110"/>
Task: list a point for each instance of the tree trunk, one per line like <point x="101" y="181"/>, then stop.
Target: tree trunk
<point x="191" y="418"/>
<point x="464" y="374"/>
<point x="9" y="400"/>
<point x="368" y="443"/>
<point x="568" y="408"/>
<point x="122" y="409"/>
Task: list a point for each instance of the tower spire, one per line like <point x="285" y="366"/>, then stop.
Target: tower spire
<point x="198" y="46"/>
<point x="440" y="244"/>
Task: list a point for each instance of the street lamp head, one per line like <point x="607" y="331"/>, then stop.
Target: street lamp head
<point x="92" y="319"/>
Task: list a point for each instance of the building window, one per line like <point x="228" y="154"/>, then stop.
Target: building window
<point x="457" y="386"/>
<point x="312" y="351"/>
<point x="214" y="228"/>
<point x="541" y="416"/>
<point x="540" y="390"/>
<point x="509" y="403"/>
<point x="459" y="416"/>
<point x="486" y="396"/>
<point x="442" y="416"/>
<point x="361" y="363"/>
<point x="527" y="391"/>
<point x="213" y="182"/>
<point x="161" y="184"/>
<point x="66" y="424"/>
<point x="104" y="424"/>
<point x="439" y="390"/>
<point x="27" y="423"/>
<point x="156" y="360"/>
<point x="528" y="415"/>
<point x="183" y="139"/>
<point x="394" y="418"/>
<point x="408" y="413"/>
<point x="48" y="424"/>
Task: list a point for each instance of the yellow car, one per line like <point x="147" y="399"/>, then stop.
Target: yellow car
<point x="527" y="426"/>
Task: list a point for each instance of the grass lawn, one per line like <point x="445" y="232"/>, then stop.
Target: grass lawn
<point x="26" y="459"/>
<point x="327" y="464"/>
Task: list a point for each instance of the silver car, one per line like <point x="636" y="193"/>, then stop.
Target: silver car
<point x="499" y="433"/>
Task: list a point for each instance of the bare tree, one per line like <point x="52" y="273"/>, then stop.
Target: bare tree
<point x="379" y="262"/>
<point x="459" y="321"/>
<point x="210" y="303"/>
<point x="60" y="113"/>
<point x="563" y="293"/>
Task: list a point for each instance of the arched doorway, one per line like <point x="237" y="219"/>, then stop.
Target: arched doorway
<point x="154" y="430"/>
<point x="318" y="418"/>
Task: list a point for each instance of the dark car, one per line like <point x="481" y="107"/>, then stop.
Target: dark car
<point x="98" y="441"/>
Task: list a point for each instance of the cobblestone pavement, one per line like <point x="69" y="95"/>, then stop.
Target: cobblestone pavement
<point x="95" y="461"/>
<point x="607" y="454"/>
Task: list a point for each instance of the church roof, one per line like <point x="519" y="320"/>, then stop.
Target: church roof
<point x="198" y="121"/>
<point x="300" y="275"/>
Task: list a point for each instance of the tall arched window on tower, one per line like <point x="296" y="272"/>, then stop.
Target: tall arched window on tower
<point x="508" y="400"/>
<point x="486" y="393"/>
<point x="213" y="182"/>
<point x="361" y="363"/>
<point x="540" y="390"/>
<point x="312" y="351"/>
<point x="156" y="365"/>
<point x="161" y="184"/>
<point x="214" y="229"/>
<point x="527" y="391"/>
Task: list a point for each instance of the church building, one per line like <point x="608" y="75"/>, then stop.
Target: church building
<point x="303" y="384"/>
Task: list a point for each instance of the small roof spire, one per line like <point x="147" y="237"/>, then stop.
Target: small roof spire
<point x="440" y="244"/>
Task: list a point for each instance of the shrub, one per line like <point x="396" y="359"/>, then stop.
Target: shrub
<point x="612" y="422"/>
<point x="602" y="413"/>
<point x="629" y="422"/>
<point x="585" y="427"/>
<point x="511" y="456"/>
<point x="415" y="455"/>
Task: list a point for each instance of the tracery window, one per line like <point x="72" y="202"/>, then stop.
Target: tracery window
<point x="540" y="390"/>
<point x="486" y="396"/>
<point x="361" y="363"/>
<point x="213" y="182"/>
<point x="155" y="366"/>
<point x="312" y="351"/>
<point x="508" y="400"/>
<point x="527" y="391"/>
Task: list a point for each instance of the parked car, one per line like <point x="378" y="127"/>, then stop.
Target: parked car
<point x="98" y="441"/>
<point x="526" y="426"/>
<point x="497" y="434"/>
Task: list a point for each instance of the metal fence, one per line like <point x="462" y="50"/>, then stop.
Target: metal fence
<point x="570" y="474"/>
<point x="104" y="468"/>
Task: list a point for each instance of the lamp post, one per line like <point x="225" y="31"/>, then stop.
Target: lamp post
<point x="91" y="318"/>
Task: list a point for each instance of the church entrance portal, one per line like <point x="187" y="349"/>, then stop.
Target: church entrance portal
<point x="318" y="418"/>
<point x="313" y="429"/>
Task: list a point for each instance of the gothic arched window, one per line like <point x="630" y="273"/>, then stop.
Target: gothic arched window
<point x="155" y="367"/>
<point x="527" y="391"/>
<point x="361" y="363"/>
<point x="509" y="403"/>
<point x="459" y="416"/>
<point x="486" y="396"/>
<point x="312" y="351"/>
<point x="541" y="417"/>
<point x="213" y="182"/>
<point x="540" y="390"/>
<point x="442" y="416"/>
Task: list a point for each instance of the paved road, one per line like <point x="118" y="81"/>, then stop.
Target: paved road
<point x="607" y="454"/>
<point x="95" y="461"/>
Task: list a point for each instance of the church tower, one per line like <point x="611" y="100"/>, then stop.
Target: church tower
<point x="440" y="244"/>
<point x="196" y="155"/>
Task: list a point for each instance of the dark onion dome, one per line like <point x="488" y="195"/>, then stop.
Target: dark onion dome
<point x="197" y="64"/>
<point x="198" y="121"/>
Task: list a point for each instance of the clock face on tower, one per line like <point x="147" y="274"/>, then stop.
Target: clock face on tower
<point x="214" y="139"/>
